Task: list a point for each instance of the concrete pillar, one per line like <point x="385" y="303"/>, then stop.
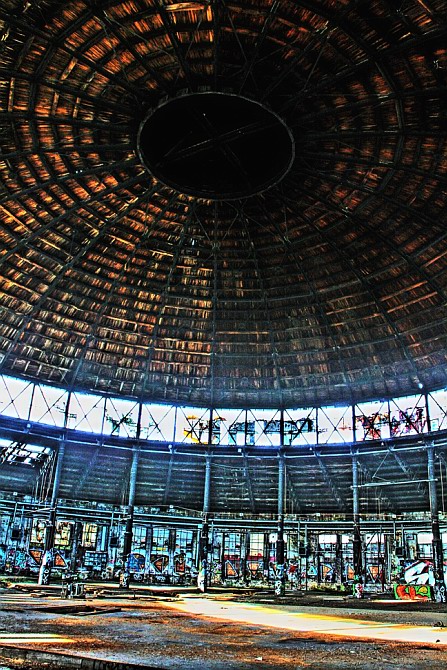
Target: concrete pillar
<point x="77" y="538"/>
<point x="148" y="547"/>
<point x="222" y="557"/>
<point x="338" y="571"/>
<point x="439" y="591"/>
<point x="266" y="557"/>
<point x="50" y="531"/>
<point x="357" y="542"/>
<point x="246" y="574"/>
<point x="202" y="578"/>
<point x="127" y="543"/>
<point x="280" y="581"/>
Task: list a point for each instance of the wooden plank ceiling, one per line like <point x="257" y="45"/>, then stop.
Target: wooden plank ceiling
<point x="329" y="286"/>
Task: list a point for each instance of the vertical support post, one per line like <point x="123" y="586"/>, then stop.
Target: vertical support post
<point x="77" y="538"/>
<point x="427" y="412"/>
<point x="390" y="424"/>
<point x="266" y="557"/>
<point x="306" y="557"/>
<point x="299" y="544"/>
<point x="210" y="427"/>
<point x="246" y="573"/>
<point x="50" y="531"/>
<point x="223" y="551"/>
<point x="354" y="424"/>
<point x="127" y="543"/>
<point x="338" y="572"/>
<point x="202" y="578"/>
<point x="439" y="591"/>
<point x="384" y="573"/>
<point x="148" y="547"/>
<point x="357" y="542"/>
<point x="245" y="429"/>
<point x="280" y="581"/>
<point x="282" y="431"/>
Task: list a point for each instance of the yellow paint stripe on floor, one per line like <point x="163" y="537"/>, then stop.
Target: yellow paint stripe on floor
<point x="17" y="638"/>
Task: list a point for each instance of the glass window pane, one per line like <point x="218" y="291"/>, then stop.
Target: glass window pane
<point x="86" y="412"/>
<point x="157" y="422"/>
<point x="372" y="421"/>
<point x="15" y="397"/>
<point x="300" y="426"/>
<point x="266" y="427"/>
<point x="49" y="405"/>
<point x="335" y="425"/>
<point x="22" y="454"/>
<point x="437" y="406"/>
<point x="408" y="416"/>
<point x="232" y="426"/>
<point x="192" y="425"/>
<point x="121" y="417"/>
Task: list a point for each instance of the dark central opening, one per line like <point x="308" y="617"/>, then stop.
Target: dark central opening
<point x="215" y="145"/>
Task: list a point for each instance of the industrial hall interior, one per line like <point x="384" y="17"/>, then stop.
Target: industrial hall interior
<point x="223" y="333"/>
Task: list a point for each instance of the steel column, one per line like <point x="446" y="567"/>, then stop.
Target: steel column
<point x="357" y="542"/>
<point x="77" y="538"/>
<point x="246" y="573"/>
<point x="50" y="530"/>
<point x="338" y="572"/>
<point x="439" y="591"/>
<point x="127" y="543"/>
<point x="280" y="581"/>
<point x="202" y="578"/>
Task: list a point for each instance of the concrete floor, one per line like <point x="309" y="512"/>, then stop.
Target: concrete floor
<point x="181" y="629"/>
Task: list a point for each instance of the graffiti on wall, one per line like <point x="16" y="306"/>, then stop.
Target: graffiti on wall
<point x="232" y="567"/>
<point x="375" y="573"/>
<point x="412" y="592"/>
<point x="180" y="564"/>
<point x="419" y="572"/>
<point x="255" y="568"/>
<point x="136" y="563"/>
<point x="158" y="564"/>
<point x="20" y="561"/>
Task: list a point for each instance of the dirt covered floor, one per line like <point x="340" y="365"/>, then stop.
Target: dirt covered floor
<point x="222" y="632"/>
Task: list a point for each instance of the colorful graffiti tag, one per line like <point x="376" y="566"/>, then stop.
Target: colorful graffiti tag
<point x="20" y="561"/>
<point x="412" y="592"/>
<point x="136" y="563"/>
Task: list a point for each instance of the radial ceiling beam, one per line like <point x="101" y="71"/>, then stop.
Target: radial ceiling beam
<point x="248" y="482"/>
<point x="276" y="370"/>
<point x="177" y="47"/>
<point x="78" y="484"/>
<point x="391" y="504"/>
<point x="44" y="296"/>
<point x="169" y="477"/>
<point x="250" y="64"/>
<point x="408" y="471"/>
<point x="165" y="293"/>
<point x="63" y="45"/>
<point x="368" y="286"/>
<point x="117" y="28"/>
<point x="338" y="497"/>
<point x="290" y="487"/>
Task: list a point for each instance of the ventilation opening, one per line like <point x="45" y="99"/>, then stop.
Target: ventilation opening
<point x="217" y="146"/>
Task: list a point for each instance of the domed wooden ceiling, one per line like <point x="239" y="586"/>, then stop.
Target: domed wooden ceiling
<point x="224" y="203"/>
